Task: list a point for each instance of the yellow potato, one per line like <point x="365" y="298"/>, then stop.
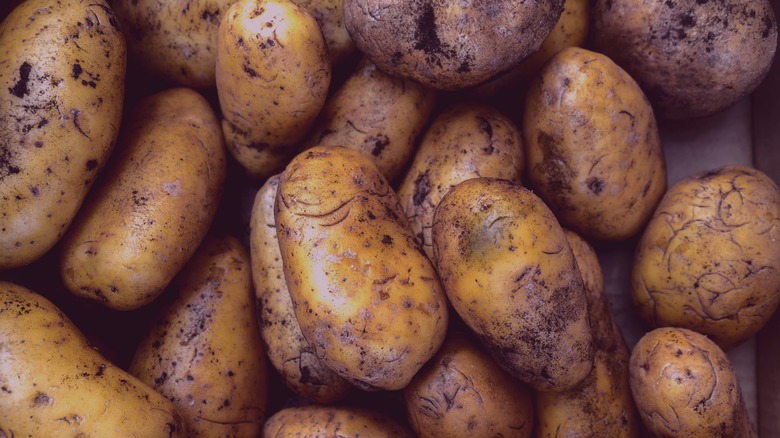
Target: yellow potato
<point x="333" y="421"/>
<point x="330" y="16"/>
<point x="366" y="297"/>
<point x="62" y="81"/>
<point x="54" y="384"/>
<point x="142" y="224"/>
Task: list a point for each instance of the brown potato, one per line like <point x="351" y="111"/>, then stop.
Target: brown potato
<point x="330" y="16"/>
<point x="333" y="421"/>
<point x="709" y="259"/>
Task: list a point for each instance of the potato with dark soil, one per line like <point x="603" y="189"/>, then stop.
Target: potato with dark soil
<point x="333" y="421"/>
<point x="330" y="16"/>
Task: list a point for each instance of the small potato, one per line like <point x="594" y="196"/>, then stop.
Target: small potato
<point x="685" y="387"/>
<point x="592" y="146"/>
<point x="273" y="73"/>
<point x="467" y="140"/>
<point x="510" y="274"/>
<point x="378" y="114"/>
<point x="62" y="82"/>
<point x="289" y="351"/>
<point x="142" y="224"/>
<point x="54" y="384"/>
<point x="330" y="16"/>
<point x="204" y="353"/>
<point x="709" y="259"/>
<point x="366" y="297"/>
<point x="333" y="421"/>
<point x="463" y="392"/>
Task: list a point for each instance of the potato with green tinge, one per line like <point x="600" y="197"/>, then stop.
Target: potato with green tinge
<point x="333" y="421"/>
<point x="466" y="140"/>
<point x="142" y="223"/>
<point x="510" y="274"/>
<point x="592" y="146"/>
<point x="62" y="81"/>
<point x="204" y="352"/>
<point x="287" y="348"/>
<point x="273" y="72"/>
<point x="365" y="295"/>
<point x="685" y="386"/>
<point x="463" y="392"/>
<point x="449" y="45"/>
<point x="709" y="259"/>
<point x="330" y="16"/>
<point x="377" y="114"/>
<point x="54" y="384"/>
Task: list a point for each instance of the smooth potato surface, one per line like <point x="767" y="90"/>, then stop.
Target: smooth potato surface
<point x="332" y="421"/>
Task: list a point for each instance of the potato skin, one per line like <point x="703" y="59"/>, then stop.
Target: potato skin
<point x="139" y="227"/>
<point x="330" y="16"/>
<point x="685" y="386"/>
<point x="378" y="114"/>
<point x="466" y="140"/>
<point x="289" y="352"/>
<point x="592" y="146"/>
<point x="693" y="57"/>
<point x="709" y="258"/>
<point x="366" y="297"/>
<point x="463" y="392"/>
<point x="55" y="384"/>
<point x="332" y="421"/>
<point x="273" y="73"/>
<point x="59" y="117"/>
<point x="510" y="274"/>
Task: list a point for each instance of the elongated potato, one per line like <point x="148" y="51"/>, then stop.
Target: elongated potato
<point x="332" y="421"/>
<point x="365" y="295"/>
<point x="144" y="222"/>
<point x="288" y="350"/>
<point x="510" y="274"/>
<point x="62" y="81"/>
<point x="54" y="384"/>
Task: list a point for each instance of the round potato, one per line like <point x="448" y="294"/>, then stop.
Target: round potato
<point x="685" y="386"/>
<point x="692" y="57"/>
<point x="592" y="146"/>
<point x="330" y="16"/>
<point x="449" y="45"/>
<point x="510" y="274"/>
<point x="709" y="259"/>
<point x="62" y="82"/>
<point x="140" y="226"/>
<point x="333" y="421"/>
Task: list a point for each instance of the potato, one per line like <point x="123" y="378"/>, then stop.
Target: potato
<point x="466" y="140"/>
<point x="273" y="73"/>
<point x="53" y="384"/>
<point x="592" y="146"/>
<point x="449" y="45"/>
<point x="709" y="259"/>
<point x="377" y="114"/>
<point x="175" y="41"/>
<point x="510" y="274"/>
<point x="204" y="352"/>
<point x="685" y="386"/>
<point x="143" y="223"/>
<point x="692" y="57"/>
<point x="366" y="297"/>
<point x="463" y="392"/>
<point x="330" y="16"/>
<point x="289" y="352"/>
<point x="602" y="405"/>
<point x="62" y="76"/>
<point x="333" y="421"/>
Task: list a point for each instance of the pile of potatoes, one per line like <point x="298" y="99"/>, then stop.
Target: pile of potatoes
<point x="374" y="218"/>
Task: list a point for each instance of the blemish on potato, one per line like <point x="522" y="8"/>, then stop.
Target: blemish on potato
<point x="20" y="89"/>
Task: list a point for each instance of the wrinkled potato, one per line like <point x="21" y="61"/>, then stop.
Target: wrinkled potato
<point x="330" y="16"/>
<point x="709" y="259"/>
<point x="62" y="73"/>
<point x="366" y="297"/>
<point x="466" y="140"/>
<point x="141" y="225"/>
<point x="463" y="392"/>
<point x="602" y="405"/>
<point x="449" y="45"/>
<point x="54" y="384"/>
<point x="273" y="72"/>
<point x="685" y="386"/>
<point x="378" y="114"/>
<point x="333" y="421"/>
<point x="692" y="57"/>
<point x="204" y="353"/>
<point x="510" y="274"/>
<point x="592" y="146"/>
<point x="288" y="350"/>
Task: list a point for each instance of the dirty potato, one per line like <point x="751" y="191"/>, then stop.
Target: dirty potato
<point x="333" y="421"/>
<point x="330" y="16"/>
